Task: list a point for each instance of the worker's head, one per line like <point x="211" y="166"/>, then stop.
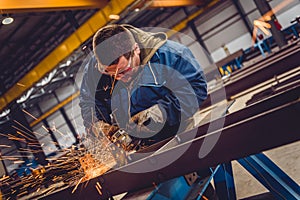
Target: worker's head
<point x="117" y="52"/>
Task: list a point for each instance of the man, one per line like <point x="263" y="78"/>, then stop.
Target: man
<point x="140" y="86"/>
<point x="141" y="83"/>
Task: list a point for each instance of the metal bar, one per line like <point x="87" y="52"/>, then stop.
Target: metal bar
<point x="224" y="182"/>
<point x="214" y="172"/>
<point x="249" y="77"/>
<point x="176" y="3"/>
<point x="271" y="176"/>
<point x="241" y="139"/>
<point x="291" y="94"/>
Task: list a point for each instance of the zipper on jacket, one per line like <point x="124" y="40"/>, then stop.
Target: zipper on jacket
<point x="155" y="81"/>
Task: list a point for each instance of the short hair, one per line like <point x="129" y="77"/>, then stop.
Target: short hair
<point x="112" y="42"/>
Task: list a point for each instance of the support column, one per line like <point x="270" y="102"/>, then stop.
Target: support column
<point x="224" y="182"/>
<point x="264" y="7"/>
<point x="245" y="19"/>
<point x="70" y="125"/>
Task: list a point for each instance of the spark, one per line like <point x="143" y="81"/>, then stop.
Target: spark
<point x="24" y="136"/>
<point x="19" y="161"/>
<point x="4" y="178"/>
<point x="4" y="146"/>
<point x="22" y="193"/>
<point x="98" y="184"/>
<point x="22" y="126"/>
<point x="46" y="129"/>
<point x="71" y="171"/>
<point x="98" y="187"/>
<point x="20" y="84"/>
<point x="17" y="139"/>
<point x="39" y="134"/>
<point x="61" y="133"/>
<point x="76" y="185"/>
<point x="26" y="112"/>
<point x="114" y="81"/>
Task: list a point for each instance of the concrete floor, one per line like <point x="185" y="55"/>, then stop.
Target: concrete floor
<point x="286" y="157"/>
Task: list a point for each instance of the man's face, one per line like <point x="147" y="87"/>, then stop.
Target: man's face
<point x="125" y="69"/>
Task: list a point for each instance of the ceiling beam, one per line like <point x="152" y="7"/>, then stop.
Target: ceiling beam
<point x="8" y="6"/>
<point x="65" y="49"/>
<point x="184" y="23"/>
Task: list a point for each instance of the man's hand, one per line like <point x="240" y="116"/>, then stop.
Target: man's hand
<point x="116" y="135"/>
<point x="147" y="122"/>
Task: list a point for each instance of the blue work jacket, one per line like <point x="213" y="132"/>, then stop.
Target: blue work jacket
<point x="172" y="78"/>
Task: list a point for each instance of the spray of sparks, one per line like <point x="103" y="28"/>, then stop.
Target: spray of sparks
<point x="75" y="165"/>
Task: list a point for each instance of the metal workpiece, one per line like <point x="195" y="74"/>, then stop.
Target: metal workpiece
<point x="280" y="62"/>
<point x="262" y="126"/>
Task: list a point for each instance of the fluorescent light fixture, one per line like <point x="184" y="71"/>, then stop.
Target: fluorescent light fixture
<point x="114" y="17"/>
<point x="7" y="20"/>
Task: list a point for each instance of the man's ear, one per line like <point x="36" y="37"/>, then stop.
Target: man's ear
<point x="136" y="49"/>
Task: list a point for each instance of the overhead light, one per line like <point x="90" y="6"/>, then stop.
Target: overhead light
<point x="5" y="113"/>
<point x="136" y="10"/>
<point x="114" y="17"/>
<point x="84" y="47"/>
<point x="7" y="20"/>
<point x="68" y="63"/>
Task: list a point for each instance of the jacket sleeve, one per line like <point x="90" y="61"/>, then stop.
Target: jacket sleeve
<point x="186" y="80"/>
<point x="92" y="109"/>
<point x="191" y="71"/>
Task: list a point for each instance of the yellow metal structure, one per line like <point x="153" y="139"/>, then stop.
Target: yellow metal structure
<point x="8" y="6"/>
<point x="173" y="3"/>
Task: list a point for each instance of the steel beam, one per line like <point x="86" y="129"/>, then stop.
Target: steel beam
<point x="283" y="61"/>
<point x="245" y="135"/>
<point x="175" y="3"/>
<point x="17" y="6"/>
